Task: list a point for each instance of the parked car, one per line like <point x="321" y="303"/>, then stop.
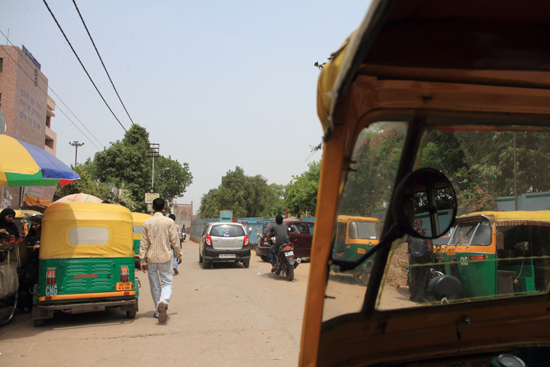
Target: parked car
<point x="224" y="242"/>
<point x="300" y="236"/>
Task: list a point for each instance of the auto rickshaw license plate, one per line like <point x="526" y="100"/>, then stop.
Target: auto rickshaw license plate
<point x="361" y="251"/>
<point x="451" y="252"/>
<point x="126" y="286"/>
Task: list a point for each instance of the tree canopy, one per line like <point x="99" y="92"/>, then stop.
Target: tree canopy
<point x="246" y="196"/>
<point x="127" y="165"/>
<point x="301" y="192"/>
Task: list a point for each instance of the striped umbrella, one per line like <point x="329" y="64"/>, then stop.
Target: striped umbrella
<point x="23" y="164"/>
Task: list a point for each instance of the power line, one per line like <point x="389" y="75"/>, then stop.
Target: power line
<point x="46" y="94"/>
<point x="83" y="67"/>
<point x="100" y="59"/>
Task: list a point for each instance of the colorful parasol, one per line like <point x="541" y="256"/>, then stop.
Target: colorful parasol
<point x="23" y="164"/>
<point x="79" y="198"/>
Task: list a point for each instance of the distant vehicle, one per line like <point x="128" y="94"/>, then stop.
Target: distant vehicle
<point x="285" y="261"/>
<point x="300" y="236"/>
<point x="224" y="242"/>
<point x="183" y="235"/>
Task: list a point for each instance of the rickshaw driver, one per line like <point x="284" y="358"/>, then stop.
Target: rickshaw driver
<point x="421" y="253"/>
<point x="158" y="231"/>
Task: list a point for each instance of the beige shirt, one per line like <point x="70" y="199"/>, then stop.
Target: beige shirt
<point x="156" y="235"/>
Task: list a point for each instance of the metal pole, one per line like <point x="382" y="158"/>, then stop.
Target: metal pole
<point x="515" y="174"/>
<point x="153" y="177"/>
<point x="76" y="144"/>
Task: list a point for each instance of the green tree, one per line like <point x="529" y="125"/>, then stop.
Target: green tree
<point x="126" y="164"/>
<point x="301" y="192"/>
<point x="171" y="178"/>
<point x="246" y="196"/>
<point x="370" y="182"/>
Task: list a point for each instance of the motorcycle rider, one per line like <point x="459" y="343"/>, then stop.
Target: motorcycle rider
<point x="281" y="234"/>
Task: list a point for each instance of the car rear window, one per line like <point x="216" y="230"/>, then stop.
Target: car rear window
<point x="226" y="230"/>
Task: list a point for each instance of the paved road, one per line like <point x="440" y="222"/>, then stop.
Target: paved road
<point x="227" y="316"/>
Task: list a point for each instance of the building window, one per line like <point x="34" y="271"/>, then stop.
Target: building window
<point x="1" y="64"/>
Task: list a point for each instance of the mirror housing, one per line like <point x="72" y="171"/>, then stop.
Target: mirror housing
<point x="425" y="193"/>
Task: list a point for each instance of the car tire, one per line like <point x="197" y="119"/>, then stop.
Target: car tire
<point x="265" y="258"/>
<point x="200" y="258"/>
<point x="206" y="265"/>
<point x="246" y="264"/>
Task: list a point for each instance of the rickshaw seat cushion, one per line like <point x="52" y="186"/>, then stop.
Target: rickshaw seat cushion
<point x="505" y="282"/>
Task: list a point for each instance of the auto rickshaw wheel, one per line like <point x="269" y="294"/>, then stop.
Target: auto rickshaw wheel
<point x="38" y="322"/>
<point x="131" y="314"/>
<point x="7" y="309"/>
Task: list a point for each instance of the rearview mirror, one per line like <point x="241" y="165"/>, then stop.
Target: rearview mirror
<point x="425" y="204"/>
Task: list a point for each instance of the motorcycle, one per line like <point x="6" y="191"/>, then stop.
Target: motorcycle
<point x="284" y="260"/>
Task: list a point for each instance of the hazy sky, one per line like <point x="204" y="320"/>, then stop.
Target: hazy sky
<point x="218" y="84"/>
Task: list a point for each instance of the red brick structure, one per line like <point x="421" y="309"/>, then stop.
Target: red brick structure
<point x="183" y="213"/>
<point x="25" y="103"/>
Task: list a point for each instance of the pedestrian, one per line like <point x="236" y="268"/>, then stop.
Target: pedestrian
<point x="176" y="272"/>
<point x="155" y="256"/>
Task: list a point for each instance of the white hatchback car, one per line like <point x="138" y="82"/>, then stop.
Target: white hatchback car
<point x="224" y="242"/>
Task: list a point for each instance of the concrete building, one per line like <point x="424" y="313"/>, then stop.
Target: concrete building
<point x="183" y="213"/>
<point x="25" y="105"/>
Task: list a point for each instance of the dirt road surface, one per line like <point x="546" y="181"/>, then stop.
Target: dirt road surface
<point x="226" y="316"/>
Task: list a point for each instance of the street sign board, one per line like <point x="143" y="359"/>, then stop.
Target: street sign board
<point x="226" y="215"/>
<point x="149" y="197"/>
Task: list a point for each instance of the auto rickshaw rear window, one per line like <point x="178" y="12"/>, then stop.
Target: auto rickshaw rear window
<point x="88" y="236"/>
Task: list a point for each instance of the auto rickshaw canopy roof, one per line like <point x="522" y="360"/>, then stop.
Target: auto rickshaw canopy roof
<point x="86" y="230"/>
<point x="347" y="218"/>
<point x="505" y="42"/>
<point x="139" y="218"/>
<point x="514" y="217"/>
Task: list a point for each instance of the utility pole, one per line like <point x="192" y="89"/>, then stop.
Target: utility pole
<point x="76" y="144"/>
<point x="153" y="153"/>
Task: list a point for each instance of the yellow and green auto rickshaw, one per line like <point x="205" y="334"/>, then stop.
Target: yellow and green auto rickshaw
<point x="138" y="219"/>
<point x="86" y="261"/>
<point x="496" y="254"/>
<point x="354" y="237"/>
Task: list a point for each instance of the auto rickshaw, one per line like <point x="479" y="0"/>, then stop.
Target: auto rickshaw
<point x="138" y="219"/>
<point x="496" y="254"/>
<point x="429" y="106"/>
<point x="354" y="237"/>
<point x="86" y="261"/>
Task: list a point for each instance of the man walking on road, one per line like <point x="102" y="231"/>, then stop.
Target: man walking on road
<point x="157" y="233"/>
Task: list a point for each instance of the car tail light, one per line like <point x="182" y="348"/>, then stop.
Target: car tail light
<point x="246" y="241"/>
<point x="50" y="276"/>
<point x="477" y="257"/>
<point x="124" y="274"/>
<point x="208" y="240"/>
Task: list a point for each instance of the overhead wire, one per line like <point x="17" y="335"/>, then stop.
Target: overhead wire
<point x="83" y="67"/>
<point x="102" y="63"/>
<point x="59" y="98"/>
<point x="45" y="93"/>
